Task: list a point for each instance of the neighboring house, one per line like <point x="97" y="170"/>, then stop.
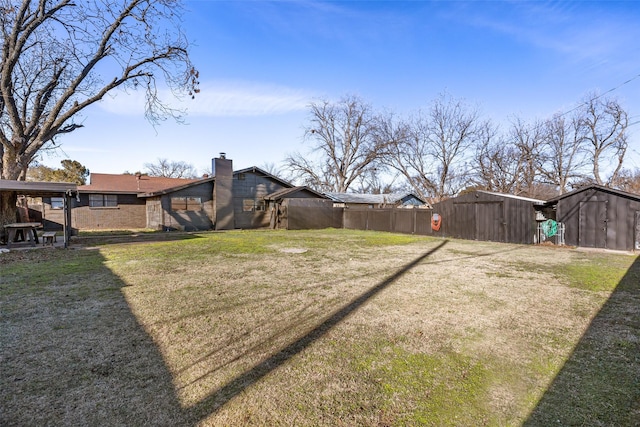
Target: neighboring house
<point x="400" y="200"/>
<point x="224" y="200"/>
<point x="489" y="216"/>
<point x="599" y="217"/>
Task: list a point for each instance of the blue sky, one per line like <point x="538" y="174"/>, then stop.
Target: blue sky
<point x="261" y="64"/>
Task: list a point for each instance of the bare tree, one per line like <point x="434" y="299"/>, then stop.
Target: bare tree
<point x="171" y="169"/>
<point x="497" y="163"/>
<point x="378" y="181"/>
<point x="527" y="139"/>
<point x="563" y="148"/>
<point x="434" y="154"/>
<point x="54" y="54"/>
<point x="606" y="123"/>
<point x="628" y="180"/>
<point x="272" y="168"/>
<point x="342" y="136"/>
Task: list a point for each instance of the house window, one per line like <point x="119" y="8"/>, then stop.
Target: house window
<point x="186" y="204"/>
<point x="250" y="205"/>
<point x="103" y="200"/>
<point x="57" y="203"/>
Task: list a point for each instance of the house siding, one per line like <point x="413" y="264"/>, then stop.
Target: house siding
<point x="183" y="219"/>
<point x="130" y="213"/>
<point x="52" y="219"/>
<point x="252" y="186"/>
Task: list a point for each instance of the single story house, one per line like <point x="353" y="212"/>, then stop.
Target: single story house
<point x="110" y="201"/>
<point x="225" y="200"/>
<point x="599" y="217"/>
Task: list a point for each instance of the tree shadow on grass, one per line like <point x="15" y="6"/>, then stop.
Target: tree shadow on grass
<point x="118" y="237"/>
<point x="71" y="350"/>
<point x="73" y="353"/>
<point x="224" y="394"/>
<point x="599" y="383"/>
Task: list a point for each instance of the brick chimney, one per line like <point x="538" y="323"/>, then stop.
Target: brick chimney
<point x="222" y="170"/>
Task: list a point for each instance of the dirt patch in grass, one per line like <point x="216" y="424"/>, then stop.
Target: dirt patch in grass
<point x="328" y="327"/>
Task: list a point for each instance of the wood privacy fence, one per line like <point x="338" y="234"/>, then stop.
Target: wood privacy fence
<point x="475" y="217"/>
<point x="297" y="214"/>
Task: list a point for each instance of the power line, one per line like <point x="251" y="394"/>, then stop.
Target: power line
<point x="603" y="94"/>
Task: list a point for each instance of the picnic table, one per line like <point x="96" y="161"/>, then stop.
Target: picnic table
<point x="22" y="229"/>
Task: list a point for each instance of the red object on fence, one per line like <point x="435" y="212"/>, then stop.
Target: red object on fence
<point x="436" y="222"/>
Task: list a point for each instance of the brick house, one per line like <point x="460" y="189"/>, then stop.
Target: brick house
<point x="224" y="200"/>
<point x="111" y="201"/>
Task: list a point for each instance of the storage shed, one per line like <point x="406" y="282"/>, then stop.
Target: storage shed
<point x="489" y="216"/>
<point x="300" y="208"/>
<point x="599" y="217"/>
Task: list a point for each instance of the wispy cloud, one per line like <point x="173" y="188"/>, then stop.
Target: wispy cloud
<point x="582" y="33"/>
<point x="220" y="99"/>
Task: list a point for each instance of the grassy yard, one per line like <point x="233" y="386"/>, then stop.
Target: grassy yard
<point x="313" y="328"/>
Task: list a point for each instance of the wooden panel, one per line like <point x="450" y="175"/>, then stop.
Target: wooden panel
<point x="355" y="219"/>
<point x="637" y="243"/>
<point x="490" y="221"/>
<point x="465" y="221"/>
<point x="404" y="220"/>
<point x="379" y="219"/>
<point x="423" y="221"/>
<point x="593" y="224"/>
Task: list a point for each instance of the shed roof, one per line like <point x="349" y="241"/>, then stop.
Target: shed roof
<point x="37" y="189"/>
<point x="512" y="196"/>
<point x="596" y="187"/>
<point x="283" y="193"/>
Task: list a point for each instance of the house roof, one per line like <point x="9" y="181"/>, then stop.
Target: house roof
<point x="148" y="186"/>
<point x="130" y="184"/>
<point x="392" y="198"/>
<point x="37" y="189"/>
<point x="177" y="188"/>
<point x="262" y="172"/>
<point x="283" y="193"/>
<point x="596" y="187"/>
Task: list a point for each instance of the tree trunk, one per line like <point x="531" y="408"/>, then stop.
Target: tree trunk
<point x="8" y="211"/>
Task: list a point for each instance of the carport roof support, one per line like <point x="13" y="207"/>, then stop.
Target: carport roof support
<point x="45" y="189"/>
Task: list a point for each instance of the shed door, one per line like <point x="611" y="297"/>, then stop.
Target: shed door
<point x="490" y="221"/>
<point x="593" y="224"/>
<point x="637" y="246"/>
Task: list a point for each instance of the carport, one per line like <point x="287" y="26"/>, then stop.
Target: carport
<point x="64" y="190"/>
